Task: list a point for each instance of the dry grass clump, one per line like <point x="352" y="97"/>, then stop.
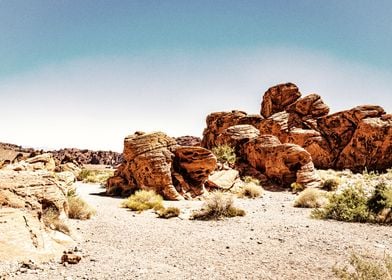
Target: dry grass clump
<point x="217" y="205"/>
<point x="51" y="219"/>
<point x="310" y="198"/>
<point x="78" y="208"/>
<point x="95" y="176"/>
<point x="361" y="268"/>
<point x="167" y="213"/>
<point x="143" y="200"/>
<point x="331" y="184"/>
<point x="296" y="187"/>
<point x="250" y="190"/>
<point x="224" y="154"/>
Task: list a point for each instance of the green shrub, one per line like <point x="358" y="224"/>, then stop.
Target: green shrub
<point x="330" y="185"/>
<point x="380" y="203"/>
<point x="143" y="200"/>
<point x="361" y="268"/>
<point x="95" y="176"/>
<point x="224" y="154"/>
<point x="250" y="190"/>
<point x="169" y="212"/>
<point x="217" y="205"/>
<point x="310" y="198"/>
<point x="350" y="206"/>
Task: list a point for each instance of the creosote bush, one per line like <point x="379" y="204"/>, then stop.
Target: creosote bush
<point x="224" y="154"/>
<point x="331" y="184"/>
<point x="350" y="206"/>
<point x="217" y="205"/>
<point x="78" y="208"/>
<point x="169" y="212"/>
<point x="310" y="198"/>
<point x="354" y="205"/>
<point x="361" y="268"/>
<point x="95" y="176"/>
<point x="143" y="200"/>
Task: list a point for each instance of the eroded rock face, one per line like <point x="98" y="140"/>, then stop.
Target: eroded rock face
<point x="188" y="141"/>
<point x="24" y="197"/>
<point x="281" y="163"/>
<point x="155" y="161"/>
<point x="278" y="97"/>
<point x="358" y="138"/>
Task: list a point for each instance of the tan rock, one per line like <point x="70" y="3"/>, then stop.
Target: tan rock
<point x="237" y="134"/>
<point x="225" y="179"/>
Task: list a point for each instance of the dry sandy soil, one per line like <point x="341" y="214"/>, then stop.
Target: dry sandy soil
<point x="273" y="241"/>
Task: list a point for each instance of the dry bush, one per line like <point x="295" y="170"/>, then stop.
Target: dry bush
<point x="224" y="154"/>
<point x="217" y="205"/>
<point x="380" y="203"/>
<point x="361" y="268"/>
<point x="310" y="198"/>
<point x="296" y="187"/>
<point x="331" y="184"/>
<point x="167" y="213"/>
<point x="95" y="176"/>
<point x="250" y="190"/>
<point x="143" y="200"/>
<point x="51" y="219"/>
<point x="79" y="209"/>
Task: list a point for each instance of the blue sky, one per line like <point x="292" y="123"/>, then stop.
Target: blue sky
<point x="87" y="73"/>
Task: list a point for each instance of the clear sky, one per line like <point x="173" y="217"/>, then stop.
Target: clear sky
<point x="87" y="73"/>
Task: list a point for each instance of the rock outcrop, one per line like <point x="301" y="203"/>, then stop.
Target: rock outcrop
<point x="356" y="139"/>
<point x="188" y="141"/>
<point x="25" y="196"/>
<point x="155" y="161"/>
<point x="84" y="156"/>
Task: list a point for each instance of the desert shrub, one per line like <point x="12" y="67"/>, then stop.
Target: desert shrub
<point x="296" y="187"/>
<point x="360" y="268"/>
<point x="224" y="154"/>
<point x="78" y="208"/>
<point x="169" y="212"/>
<point x="310" y="198"/>
<point x="95" y="176"/>
<point x="143" y="200"/>
<point x="330" y="184"/>
<point x="250" y="190"/>
<point x="51" y="219"/>
<point x="380" y="203"/>
<point x="217" y="206"/>
<point x="350" y="206"/>
<point x="250" y="179"/>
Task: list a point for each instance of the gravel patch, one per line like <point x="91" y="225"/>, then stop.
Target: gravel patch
<point x="273" y="241"/>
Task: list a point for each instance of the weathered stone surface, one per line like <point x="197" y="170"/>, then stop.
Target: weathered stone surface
<point x="237" y="134"/>
<point x="24" y="196"/>
<point x="43" y="161"/>
<point x="370" y="146"/>
<point x="188" y="141"/>
<point x="281" y="163"/>
<point x="155" y="161"/>
<point x="278" y="97"/>
<point x="191" y="168"/>
<point x="224" y="179"/>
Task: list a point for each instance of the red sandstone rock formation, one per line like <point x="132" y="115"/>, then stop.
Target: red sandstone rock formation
<point x="356" y="139"/>
<point x="155" y="161"/>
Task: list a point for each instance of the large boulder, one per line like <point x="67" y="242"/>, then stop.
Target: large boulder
<point x="281" y="163"/>
<point x="154" y="161"/>
<point x="278" y="98"/>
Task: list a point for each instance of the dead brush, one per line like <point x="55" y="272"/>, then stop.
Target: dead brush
<point x="78" y="208"/>
<point x="311" y="198"/>
<point x="250" y="190"/>
<point x="167" y="213"/>
<point x="217" y="205"/>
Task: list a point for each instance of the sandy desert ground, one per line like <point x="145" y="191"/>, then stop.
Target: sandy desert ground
<point x="273" y="241"/>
